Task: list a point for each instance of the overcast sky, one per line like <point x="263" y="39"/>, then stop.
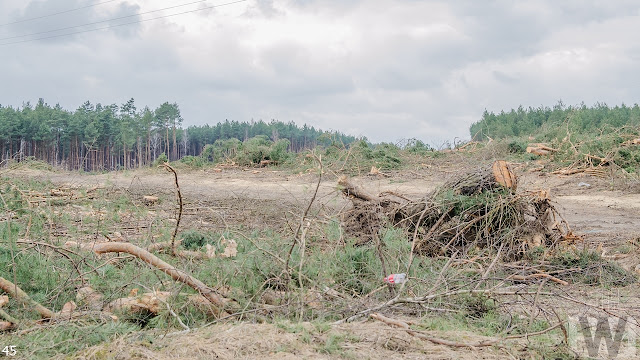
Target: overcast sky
<point x="384" y="69"/>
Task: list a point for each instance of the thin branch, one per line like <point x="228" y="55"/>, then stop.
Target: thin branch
<point x="175" y="231"/>
<point x="304" y="215"/>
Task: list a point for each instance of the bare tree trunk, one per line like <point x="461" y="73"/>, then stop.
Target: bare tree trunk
<point x="139" y="157"/>
<point x="166" y="148"/>
<point x="174" y="151"/>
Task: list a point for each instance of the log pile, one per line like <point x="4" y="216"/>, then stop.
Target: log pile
<point x="480" y="209"/>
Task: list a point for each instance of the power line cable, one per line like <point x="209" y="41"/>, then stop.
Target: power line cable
<point x="54" y="14"/>
<point x="124" y="24"/>
<point x="101" y="22"/>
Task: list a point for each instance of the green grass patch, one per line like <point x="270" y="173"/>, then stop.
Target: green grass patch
<point x="588" y="267"/>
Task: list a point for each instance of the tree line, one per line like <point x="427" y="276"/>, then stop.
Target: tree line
<point x="555" y="121"/>
<point x="98" y="137"/>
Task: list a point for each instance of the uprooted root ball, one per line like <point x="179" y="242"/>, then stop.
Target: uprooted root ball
<point x="475" y="211"/>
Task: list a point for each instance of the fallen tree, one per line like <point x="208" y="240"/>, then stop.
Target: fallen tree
<point x="475" y="210"/>
<point x="15" y="292"/>
<point x="176" y="274"/>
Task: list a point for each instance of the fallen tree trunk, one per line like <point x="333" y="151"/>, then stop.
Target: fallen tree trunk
<point x="350" y="189"/>
<point x="176" y="274"/>
<point x="22" y="297"/>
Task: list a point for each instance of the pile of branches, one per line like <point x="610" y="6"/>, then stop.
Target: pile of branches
<point x="474" y="211"/>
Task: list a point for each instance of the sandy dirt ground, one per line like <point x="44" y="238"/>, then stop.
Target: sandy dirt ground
<point x="599" y="211"/>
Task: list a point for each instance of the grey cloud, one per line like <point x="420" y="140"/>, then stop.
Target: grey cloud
<point x="267" y="8"/>
<point x="124" y="9"/>
<point x="393" y="76"/>
<point x="503" y="77"/>
<point x="47" y="28"/>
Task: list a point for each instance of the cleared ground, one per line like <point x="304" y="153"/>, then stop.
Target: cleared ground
<point x="603" y="212"/>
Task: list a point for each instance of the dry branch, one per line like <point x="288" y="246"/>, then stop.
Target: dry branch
<point x="153" y="260"/>
<point x="296" y="238"/>
<point x="593" y="171"/>
<point x="535" y="276"/>
<point x="179" y="195"/>
<point x="17" y="293"/>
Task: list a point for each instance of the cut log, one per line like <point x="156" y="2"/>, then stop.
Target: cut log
<point x="540" y="149"/>
<point x="149" y="200"/>
<point x="67" y="311"/>
<point x="472" y="183"/>
<point x="146" y="303"/>
<point x="90" y="298"/>
<point x="350" y="189"/>
<point x="503" y="174"/>
<point x="6" y="326"/>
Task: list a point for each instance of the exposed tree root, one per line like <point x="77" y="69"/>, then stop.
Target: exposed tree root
<point x="477" y="209"/>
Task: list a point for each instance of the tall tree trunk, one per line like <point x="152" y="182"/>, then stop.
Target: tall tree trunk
<point x="175" y="147"/>
<point x="70" y="156"/>
<point x="149" y="146"/>
<point x="76" y="161"/>
<point x="139" y="157"/>
<point x="166" y="149"/>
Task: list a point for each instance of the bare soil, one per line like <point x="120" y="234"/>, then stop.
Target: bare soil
<point x="601" y="211"/>
<point x="267" y="341"/>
